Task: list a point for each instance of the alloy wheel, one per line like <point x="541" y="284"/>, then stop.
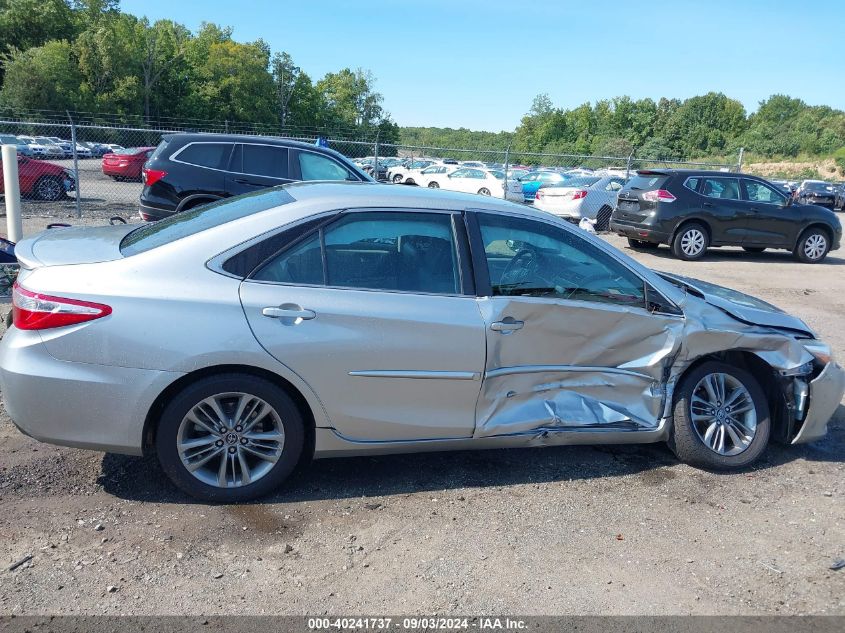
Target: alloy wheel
<point x="815" y="246"/>
<point x="692" y="242"/>
<point x="723" y="414"/>
<point x="49" y="189"/>
<point x="230" y="439"/>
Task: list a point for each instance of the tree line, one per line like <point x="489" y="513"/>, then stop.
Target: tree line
<point x="89" y="56"/>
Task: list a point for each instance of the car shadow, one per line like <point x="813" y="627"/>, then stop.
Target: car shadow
<point x="731" y="254"/>
<point x="141" y="479"/>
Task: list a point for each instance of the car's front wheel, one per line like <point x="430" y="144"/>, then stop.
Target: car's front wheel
<point x="50" y="188"/>
<point x="721" y="418"/>
<point x="812" y="247"/>
<point x="484" y="191"/>
<point x="433" y="185"/>
<point x="230" y="438"/>
<point x="397" y="179"/>
<point x="690" y="242"/>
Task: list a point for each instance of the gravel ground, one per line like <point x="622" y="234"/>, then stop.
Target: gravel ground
<point x="583" y="530"/>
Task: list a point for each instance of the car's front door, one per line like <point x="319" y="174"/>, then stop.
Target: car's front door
<point x="574" y="339"/>
<point x="375" y="314"/>
<point x="772" y="221"/>
<point x="254" y="166"/>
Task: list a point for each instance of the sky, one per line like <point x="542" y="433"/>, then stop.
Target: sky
<point x="479" y="63"/>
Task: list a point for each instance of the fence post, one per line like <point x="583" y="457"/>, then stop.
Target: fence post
<point x="507" y="163"/>
<point x="375" y="157"/>
<point x="739" y="161"/>
<point x="75" y="165"/>
<point x="13" y="193"/>
<point x="628" y="164"/>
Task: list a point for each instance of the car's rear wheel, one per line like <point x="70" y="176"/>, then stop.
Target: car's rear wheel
<point x="49" y="188"/>
<point x="433" y="185"/>
<point x="812" y="247"/>
<point x="230" y="438"/>
<point x="397" y="179"/>
<point x="691" y="242"/>
<point x="642" y="244"/>
<point x="753" y="249"/>
<point x="603" y="219"/>
<point x="484" y="191"/>
<point x="721" y="418"/>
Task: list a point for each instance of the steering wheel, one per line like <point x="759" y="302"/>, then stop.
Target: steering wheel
<point x="521" y="268"/>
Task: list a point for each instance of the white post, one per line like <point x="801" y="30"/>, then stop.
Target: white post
<point x="13" y="193"/>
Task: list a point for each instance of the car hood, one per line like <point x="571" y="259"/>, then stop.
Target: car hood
<point x="73" y="245"/>
<point x="739" y="305"/>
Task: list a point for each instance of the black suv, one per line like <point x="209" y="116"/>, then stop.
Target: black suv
<point x="187" y="170"/>
<point x="691" y="210"/>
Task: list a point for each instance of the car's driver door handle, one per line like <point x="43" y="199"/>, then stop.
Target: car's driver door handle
<point x="288" y="313"/>
<point x="507" y="325"/>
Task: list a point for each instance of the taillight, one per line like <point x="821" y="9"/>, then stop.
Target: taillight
<point x="659" y="195"/>
<point x="35" y="311"/>
<point x="577" y="195"/>
<point x="152" y="176"/>
<point x="539" y="194"/>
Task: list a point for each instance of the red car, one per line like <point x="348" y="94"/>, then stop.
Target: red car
<point x="126" y="164"/>
<point x="41" y="180"/>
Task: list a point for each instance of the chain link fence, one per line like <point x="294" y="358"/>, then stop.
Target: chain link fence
<point x="87" y="167"/>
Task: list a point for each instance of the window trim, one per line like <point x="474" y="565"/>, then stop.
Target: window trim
<point x="298" y="172"/>
<point x="700" y="179"/>
<point x="174" y="156"/>
<point x="464" y="284"/>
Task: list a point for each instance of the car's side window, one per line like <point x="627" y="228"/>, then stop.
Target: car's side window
<point x="406" y="252"/>
<point x="613" y="185"/>
<point x="214" y="155"/>
<point x="317" y="167"/>
<point x="760" y="192"/>
<point x="722" y="188"/>
<point x="475" y="173"/>
<point x="691" y="184"/>
<point x="528" y="258"/>
<point x="460" y="173"/>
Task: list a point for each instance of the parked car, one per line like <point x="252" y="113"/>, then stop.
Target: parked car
<point x="355" y="320"/>
<point x="484" y="182"/>
<point x="407" y="171"/>
<point x="41" y="180"/>
<point x="98" y="150"/>
<point x="36" y="149"/>
<point x="839" y="201"/>
<point x="126" y="164"/>
<point x="691" y="210"/>
<point x="188" y="170"/>
<point x="816" y="192"/>
<point x="532" y="181"/>
<point x="432" y="172"/>
<point x="21" y="147"/>
<point x="588" y="197"/>
<point x="51" y="149"/>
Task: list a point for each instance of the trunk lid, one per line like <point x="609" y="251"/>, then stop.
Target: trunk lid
<point x="630" y="204"/>
<point x="74" y="245"/>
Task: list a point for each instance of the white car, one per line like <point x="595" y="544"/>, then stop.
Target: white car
<point x="486" y="182"/>
<point x="432" y="173"/>
<point x="589" y="197"/>
<point x="37" y="150"/>
<point x="407" y="173"/>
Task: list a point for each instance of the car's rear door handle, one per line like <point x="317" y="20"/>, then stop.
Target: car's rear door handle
<point x="706" y="204"/>
<point x="288" y="313"/>
<point x="507" y="325"/>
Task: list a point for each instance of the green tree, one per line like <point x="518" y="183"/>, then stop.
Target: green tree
<point x="43" y="77"/>
<point x="285" y="76"/>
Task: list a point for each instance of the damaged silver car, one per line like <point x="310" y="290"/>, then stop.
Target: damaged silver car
<point x="238" y="339"/>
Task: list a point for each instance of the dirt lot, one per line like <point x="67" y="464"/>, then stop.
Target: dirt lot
<point x="604" y="530"/>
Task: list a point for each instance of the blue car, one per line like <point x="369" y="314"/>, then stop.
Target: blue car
<point x="532" y="181"/>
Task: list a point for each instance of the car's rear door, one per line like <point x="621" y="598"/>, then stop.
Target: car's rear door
<point x="721" y="205"/>
<point x="255" y="166"/>
<point x="375" y="312"/>
<point x="772" y="222"/>
<point x="575" y="340"/>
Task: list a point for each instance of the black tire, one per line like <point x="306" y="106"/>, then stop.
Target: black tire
<point x="397" y="179"/>
<point x="753" y="249"/>
<point x="813" y="246"/>
<point x="433" y="185"/>
<point x="49" y="188"/>
<point x="642" y="244"/>
<point x="686" y="442"/>
<point x="689" y="235"/>
<point x="484" y="191"/>
<point x="603" y="219"/>
<point x="173" y="414"/>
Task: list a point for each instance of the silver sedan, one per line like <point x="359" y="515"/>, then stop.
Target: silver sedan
<point x="238" y="339"/>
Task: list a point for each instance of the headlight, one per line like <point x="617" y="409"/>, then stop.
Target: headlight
<point x="820" y="351"/>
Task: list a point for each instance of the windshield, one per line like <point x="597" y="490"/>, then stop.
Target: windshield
<point x="817" y="186"/>
<point x="200" y="219"/>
